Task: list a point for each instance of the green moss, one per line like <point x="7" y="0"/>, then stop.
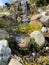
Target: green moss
<point x="27" y="28"/>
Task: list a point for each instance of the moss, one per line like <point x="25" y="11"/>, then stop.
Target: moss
<point x="26" y="29"/>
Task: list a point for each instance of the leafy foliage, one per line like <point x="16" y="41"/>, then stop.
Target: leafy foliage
<point x="41" y="2"/>
<point x="33" y="45"/>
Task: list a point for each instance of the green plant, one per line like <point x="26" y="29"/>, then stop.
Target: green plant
<point x="41" y="2"/>
<point x="11" y="42"/>
<point x="37" y="60"/>
<point x="33" y="45"/>
<point x="42" y="51"/>
<point x="27" y="29"/>
<point x="6" y="37"/>
<point x="47" y="62"/>
<point x="23" y="51"/>
<point x="25" y="61"/>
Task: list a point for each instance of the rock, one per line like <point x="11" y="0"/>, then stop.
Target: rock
<point x="39" y="38"/>
<point x="36" y="23"/>
<point x="46" y="13"/>
<point x="5" y="53"/>
<point x="2" y="34"/>
<point x="22" y="40"/>
<point x="34" y="54"/>
<point x="17" y="58"/>
<point x="4" y="42"/>
<point x="32" y="9"/>
<point x="14" y="61"/>
<point x="46" y="34"/>
<point x="43" y="14"/>
<point x="44" y="29"/>
<point x="47" y="7"/>
<point x="48" y="29"/>
<point x="47" y="48"/>
<point x="45" y="20"/>
<point x="19" y="19"/>
<point x="40" y="10"/>
<point x="30" y="1"/>
<point x="35" y="17"/>
<point x="4" y="14"/>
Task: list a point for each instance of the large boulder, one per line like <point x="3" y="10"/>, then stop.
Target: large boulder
<point x="5" y="53"/>
<point x="45" y="20"/>
<point x="22" y="40"/>
<point x="39" y="38"/>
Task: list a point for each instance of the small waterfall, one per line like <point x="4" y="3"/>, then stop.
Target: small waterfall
<point x="24" y="6"/>
<point x="24" y="10"/>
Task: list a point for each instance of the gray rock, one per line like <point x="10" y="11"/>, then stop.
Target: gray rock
<point x="39" y="38"/>
<point x="45" y="20"/>
<point x="44" y="29"/>
<point x="22" y="40"/>
<point x="47" y="12"/>
<point x="4" y="42"/>
<point x="5" y="53"/>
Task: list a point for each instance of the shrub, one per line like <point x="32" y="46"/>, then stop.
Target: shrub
<point x="23" y="51"/>
<point x="33" y="45"/>
<point x="41" y="2"/>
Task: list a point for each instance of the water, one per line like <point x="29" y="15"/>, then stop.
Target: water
<point x="24" y="6"/>
<point x="24" y="10"/>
